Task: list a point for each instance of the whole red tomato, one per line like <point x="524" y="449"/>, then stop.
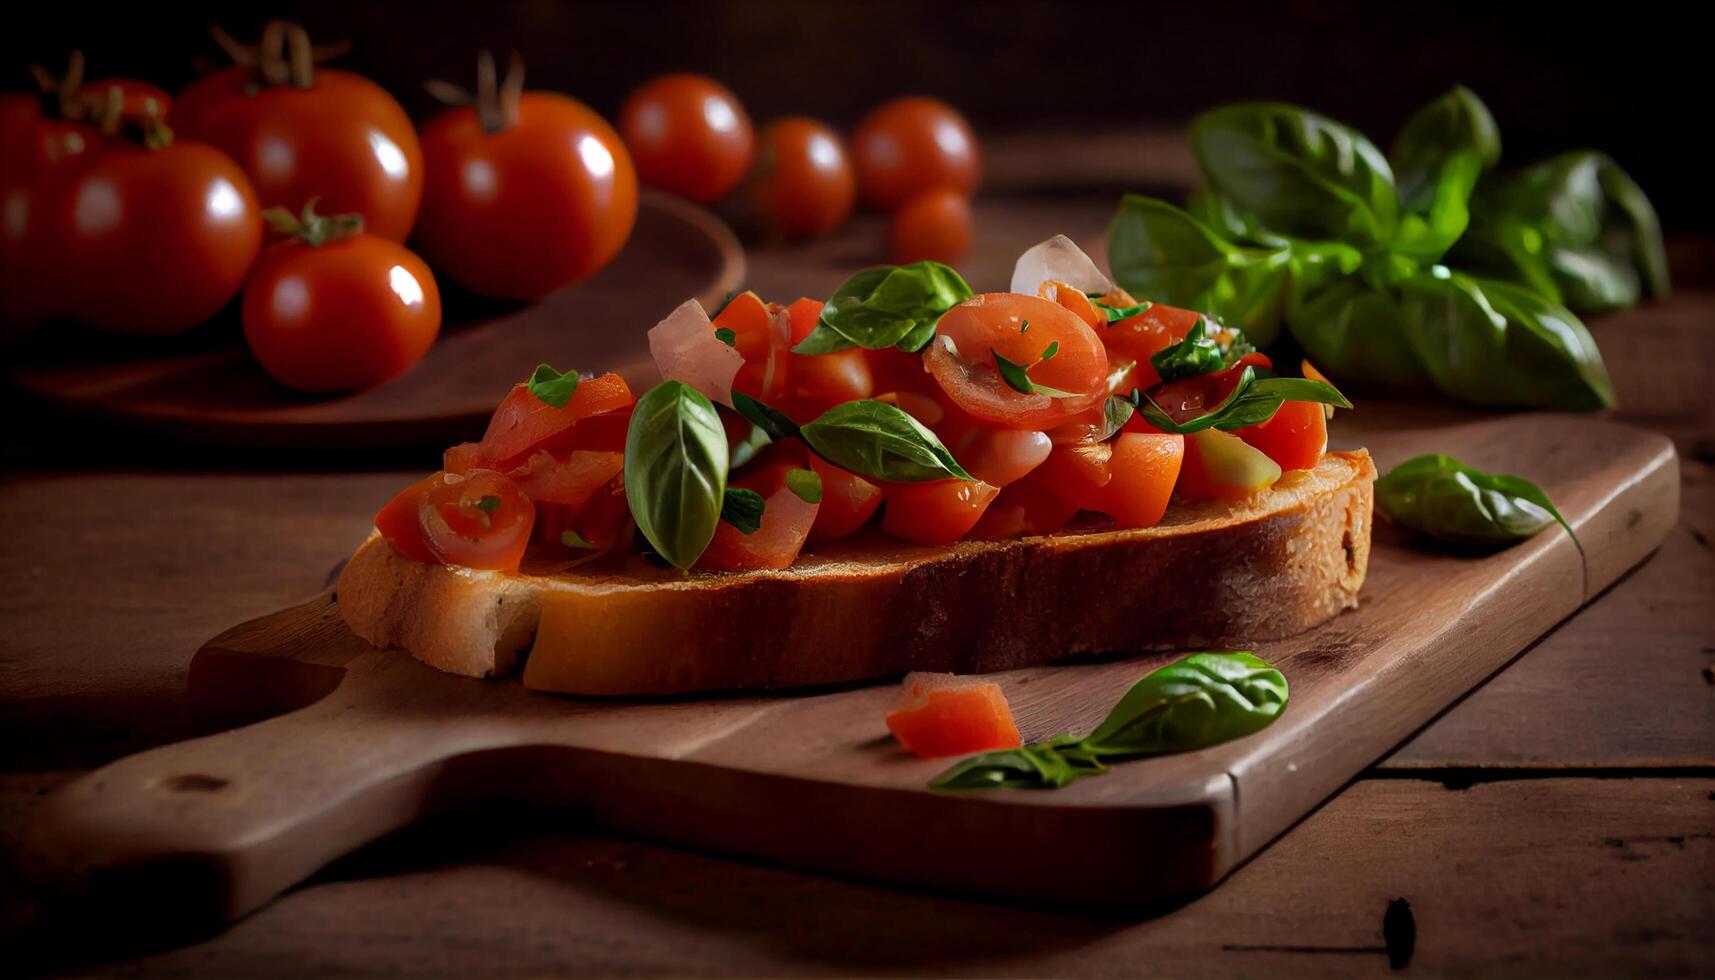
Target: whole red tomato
<point x="542" y="196"/>
<point x="154" y="240"/>
<point x="688" y="134"/>
<point x="802" y="182"/>
<point x="330" y="135"/>
<point x="334" y="309"/>
<point x="935" y="225"/>
<point x="910" y="146"/>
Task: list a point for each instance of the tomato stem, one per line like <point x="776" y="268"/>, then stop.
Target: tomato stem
<point x="283" y="56"/>
<point x="313" y="229"/>
<point x="496" y="99"/>
<point x="72" y="103"/>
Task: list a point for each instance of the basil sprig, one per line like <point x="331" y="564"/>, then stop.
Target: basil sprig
<point x="675" y="470"/>
<point x="1202" y="700"/>
<point x="1198" y="353"/>
<point x="887" y="306"/>
<point x="881" y="442"/>
<point x="1252" y="401"/>
<point x="806" y="485"/>
<point x="1443" y="498"/>
<point x="743" y="509"/>
<point x="1118" y="313"/>
<point x="552" y="387"/>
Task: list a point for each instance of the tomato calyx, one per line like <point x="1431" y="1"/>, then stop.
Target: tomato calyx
<point x="310" y="228"/>
<point x="284" y="56"/>
<point x="495" y="100"/>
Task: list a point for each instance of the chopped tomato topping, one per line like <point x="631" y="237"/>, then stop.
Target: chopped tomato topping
<point x="1073" y="298"/>
<point x="786" y="520"/>
<point x="397" y="521"/>
<point x="937" y="511"/>
<point x="1295" y="437"/>
<point x="941" y="715"/>
<point x="525" y="423"/>
<point x="848" y="501"/>
<point x="479" y="520"/>
<point x="567" y="480"/>
<point x="1143" y="469"/>
<point x="1049" y="343"/>
<point x="895" y="370"/>
<point x="761" y="340"/>
<point x="1078" y="472"/>
<point x="1030" y="506"/>
<point x="923" y="408"/>
<point x="605" y="519"/>
<point x="1002" y="456"/>
<point x="1139" y="337"/>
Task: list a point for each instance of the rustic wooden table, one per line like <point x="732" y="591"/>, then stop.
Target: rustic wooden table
<point x="1560" y="820"/>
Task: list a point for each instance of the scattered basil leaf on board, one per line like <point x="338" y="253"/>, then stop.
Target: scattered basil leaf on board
<point x="880" y="442"/>
<point x="773" y="423"/>
<point x="886" y="306"/>
<point x="743" y="509"/>
<point x="675" y="470"/>
<point x="1443" y="498"/>
<point x="726" y="336"/>
<point x="1202" y="700"/>
<point x="1252" y="401"/>
<point x="573" y="539"/>
<point x="806" y="484"/>
<point x="552" y="387"/>
<point x="1197" y="354"/>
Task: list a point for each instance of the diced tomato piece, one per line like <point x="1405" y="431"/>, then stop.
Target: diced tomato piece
<point x="567" y="480"/>
<point x="923" y="408"/>
<point x="605" y="519"/>
<point x="479" y="520"/>
<point x="1221" y="466"/>
<point x="1030" y="506"/>
<point x="937" y="511"/>
<point x="524" y="423"/>
<point x="1002" y="456"/>
<point x="1078" y="473"/>
<point x="1138" y="338"/>
<point x="848" y="501"/>
<point x="786" y="521"/>
<point x="1296" y="437"/>
<point x="802" y="315"/>
<point x="821" y="381"/>
<point x="939" y="715"/>
<point x="896" y="370"/>
<point x="762" y="342"/>
<point x="397" y="521"/>
<point x="1144" y="469"/>
<point x="1073" y="298"/>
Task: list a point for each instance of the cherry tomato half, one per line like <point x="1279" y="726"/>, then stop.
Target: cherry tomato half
<point x="347" y="314"/>
<point x="478" y="520"/>
<point x="910" y="146"/>
<point x="397" y="521"/>
<point x="1021" y="329"/>
<point x="1296" y="437"/>
<point x="934" y="225"/>
<point x="518" y="213"/>
<point x="802" y="183"/>
<point x="688" y="134"/>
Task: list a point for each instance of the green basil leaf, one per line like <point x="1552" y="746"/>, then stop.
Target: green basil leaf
<point x="773" y="423"/>
<point x="1302" y="174"/>
<point x="552" y="387"/>
<point x="1017" y="376"/>
<point x="806" y="484"/>
<point x="887" y="306"/>
<point x="573" y="539"/>
<point x="746" y="449"/>
<point x="1443" y="498"/>
<point x="1349" y="328"/>
<point x="1116" y="412"/>
<point x="675" y="470"/>
<point x="1202" y="700"/>
<point x="1197" y="354"/>
<point x="743" y="509"/>
<point x="726" y="336"/>
<point x="880" y="442"/>
<point x="1118" y="313"/>
<point x="488" y="504"/>
<point x="1227" y="220"/>
<point x="1439" y="154"/>
<point x="1253" y="401"/>
<point x="1494" y="343"/>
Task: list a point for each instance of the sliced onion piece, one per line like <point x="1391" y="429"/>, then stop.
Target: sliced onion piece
<point x="686" y="349"/>
<point x="1058" y="258"/>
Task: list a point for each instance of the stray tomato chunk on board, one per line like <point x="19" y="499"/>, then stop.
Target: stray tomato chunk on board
<point x="943" y="715"/>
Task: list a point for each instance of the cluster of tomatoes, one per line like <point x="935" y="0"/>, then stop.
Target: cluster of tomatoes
<point x="915" y="158"/>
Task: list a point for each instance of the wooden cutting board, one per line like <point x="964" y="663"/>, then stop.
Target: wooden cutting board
<point x="205" y="387"/>
<point x="212" y="828"/>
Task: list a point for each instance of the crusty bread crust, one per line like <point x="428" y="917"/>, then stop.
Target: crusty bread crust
<point x="1210" y="575"/>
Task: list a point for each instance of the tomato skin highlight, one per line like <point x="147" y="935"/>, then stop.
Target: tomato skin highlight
<point x="994" y="323"/>
<point x="460" y="531"/>
<point x="347" y="314"/>
<point x="688" y="134"/>
<point x="344" y="141"/>
<point x="801" y="184"/>
<point x="848" y="502"/>
<point x="939" y="715"/>
<point x="935" y="226"/>
<point x="519" y="213"/>
<point x="1296" y="437"/>
<point x="913" y="145"/>
<point x="937" y="511"/>
<point x="397" y="521"/>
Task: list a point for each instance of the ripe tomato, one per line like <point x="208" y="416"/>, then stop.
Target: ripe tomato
<point x="934" y="225"/>
<point x="568" y="480"/>
<point x="1296" y="437"/>
<point x="910" y="146"/>
<point x="478" y="520"/>
<point x="397" y="521"/>
<point x="818" y="382"/>
<point x="1030" y="506"/>
<point x="1138" y="338"/>
<point x="156" y="240"/>
<point x="342" y="139"/>
<point x="995" y="323"/>
<point x="1002" y="456"/>
<point x="935" y="512"/>
<point x="848" y="501"/>
<point x="762" y="338"/>
<point x="786" y="520"/>
<point x="942" y="715"/>
<point x="539" y="204"/>
<point x="525" y="424"/>
<point x="802" y="183"/>
<point x="689" y="135"/>
<point x="347" y="314"/>
<point x="1143" y="469"/>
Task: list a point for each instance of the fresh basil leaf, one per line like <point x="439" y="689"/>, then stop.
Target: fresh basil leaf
<point x="887" y="306"/>
<point x="743" y="509"/>
<point x="488" y="504"/>
<point x="552" y="387"/>
<point x="1117" y="313"/>
<point x="573" y="539"/>
<point x="1017" y="377"/>
<point x="1437" y="158"/>
<point x="773" y="423"/>
<point x="675" y="470"/>
<point x="1253" y="401"/>
<point x="1227" y="220"/>
<point x="1348" y="327"/>
<point x="1302" y="174"/>
<point x="746" y="449"/>
<point x="1197" y="354"/>
<point x="1049" y="351"/>
<point x="1202" y="700"/>
<point x="806" y="484"/>
<point x="880" y="442"/>
<point x="1116" y="412"/>
<point x="1494" y="343"/>
<point x="1439" y="496"/>
<point x="726" y="336"/>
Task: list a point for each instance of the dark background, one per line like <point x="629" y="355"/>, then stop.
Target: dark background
<point x="1630" y="78"/>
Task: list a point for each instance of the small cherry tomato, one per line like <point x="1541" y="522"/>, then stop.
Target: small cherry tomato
<point x="1002" y="456"/>
<point x="1021" y="329"/>
<point x="525" y="424"/>
<point x="802" y="183"/>
<point x="1295" y="437"/>
<point x="786" y="520"/>
<point x="762" y="338"/>
<point x="688" y="134"/>
<point x="848" y="502"/>
<point x="339" y="313"/>
<point x="397" y="521"/>
<point x="942" y="715"/>
<point x="478" y="520"/>
<point x="543" y="199"/>
<point x="934" y="225"/>
<point x="910" y="146"/>
<point x="935" y="512"/>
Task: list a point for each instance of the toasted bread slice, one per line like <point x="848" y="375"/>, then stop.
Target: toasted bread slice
<point x="1210" y="575"/>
